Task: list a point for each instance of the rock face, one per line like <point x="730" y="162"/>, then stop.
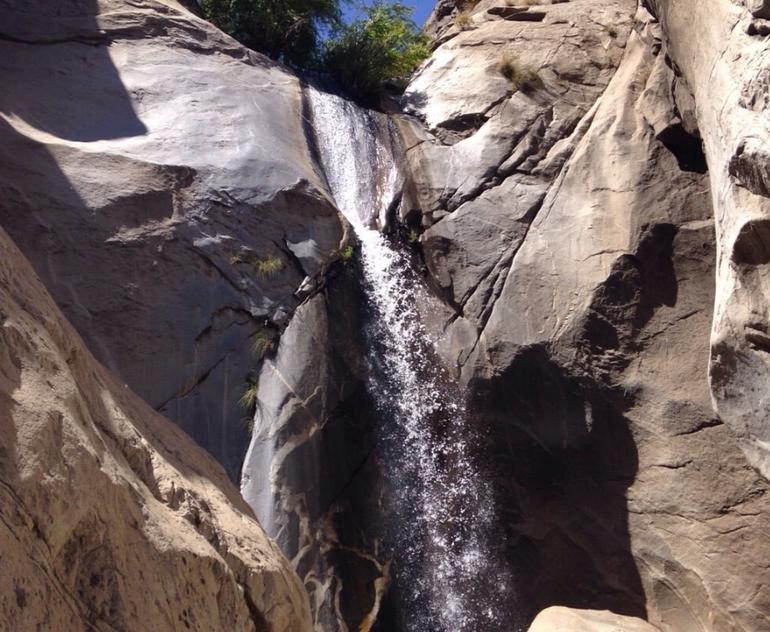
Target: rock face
<point x="565" y="166"/>
<point x="156" y="175"/>
<point x="572" y="620"/>
<point x="310" y="473"/>
<point x="313" y="471"/>
<point x="728" y="71"/>
<point x="110" y="517"/>
<point x="496" y="149"/>
<point x="568" y="223"/>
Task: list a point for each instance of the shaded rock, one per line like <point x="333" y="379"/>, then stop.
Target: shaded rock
<point x="758" y="27"/>
<point x="111" y="518"/>
<point x="750" y="166"/>
<point x="508" y="12"/>
<point x="759" y="8"/>
<point x="517" y="15"/>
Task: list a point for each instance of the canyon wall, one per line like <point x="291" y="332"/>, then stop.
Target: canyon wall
<point x="585" y="191"/>
<point x="572" y="237"/>
<point x="156" y="174"/>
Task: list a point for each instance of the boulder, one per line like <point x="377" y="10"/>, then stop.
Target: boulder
<point x="560" y="619"/>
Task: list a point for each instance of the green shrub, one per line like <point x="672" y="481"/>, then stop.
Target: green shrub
<point x="346" y="254"/>
<point x="521" y="77"/>
<point x="384" y="44"/>
<point x="289" y="30"/>
<point x="263" y="266"/>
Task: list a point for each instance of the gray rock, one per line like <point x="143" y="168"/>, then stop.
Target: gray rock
<point x="168" y="218"/>
<point x="582" y="328"/>
<point x="310" y="472"/>
<point x="759" y="8"/>
<point x="728" y="79"/>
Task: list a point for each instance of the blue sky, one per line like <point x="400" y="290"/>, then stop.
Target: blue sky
<point x="422" y="9"/>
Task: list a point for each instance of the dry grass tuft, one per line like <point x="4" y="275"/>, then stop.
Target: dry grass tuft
<point x="249" y="398"/>
<point x="463" y="19"/>
<point x="521" y="77"/>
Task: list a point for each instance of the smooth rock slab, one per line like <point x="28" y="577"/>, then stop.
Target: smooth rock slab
<point x="147" y="163"/>
<point x="561" y="619"/>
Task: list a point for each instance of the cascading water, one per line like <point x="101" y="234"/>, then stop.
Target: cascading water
<point x="447" y="574"/>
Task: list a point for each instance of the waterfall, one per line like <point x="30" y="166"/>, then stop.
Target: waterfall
<point x="448" y="577"/>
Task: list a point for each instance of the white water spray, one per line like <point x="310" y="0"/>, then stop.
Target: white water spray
<point x="443" y="510"/>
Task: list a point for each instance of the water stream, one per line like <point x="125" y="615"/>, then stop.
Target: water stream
<point x="442" y="509"/>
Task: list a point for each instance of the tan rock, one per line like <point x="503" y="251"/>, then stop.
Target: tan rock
<point x="110" y="517"/>
<point x="560" y="619"/>
<point x="728" y="69"/>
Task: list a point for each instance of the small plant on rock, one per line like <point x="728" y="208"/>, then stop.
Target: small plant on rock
<point x="346" y="254"/>
<point x="463" y="20"/>
<point x="263" y="266"/>
<point x="249" y="398"/>
<point x="268" y="266"/>
<point x="521" y="77"/>
<point x="262" y="342"/>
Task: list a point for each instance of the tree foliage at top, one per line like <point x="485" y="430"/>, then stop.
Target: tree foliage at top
<point x="288" y="30"/>
<point x="383" y="44"/>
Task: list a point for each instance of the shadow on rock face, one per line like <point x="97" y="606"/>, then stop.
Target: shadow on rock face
<point x="109" y="113"/>
<point x="563" y="455"/>
<point x="99" y="105"/>
<point x="563" y="458"/>
<point x="96" y="224"/>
